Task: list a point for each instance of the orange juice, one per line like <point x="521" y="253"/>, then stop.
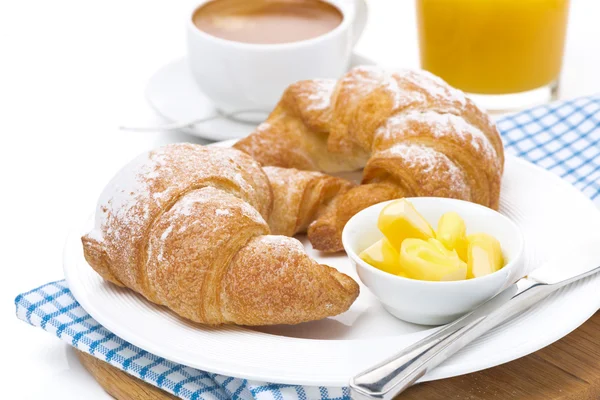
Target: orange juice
<point x="493" y="46"/>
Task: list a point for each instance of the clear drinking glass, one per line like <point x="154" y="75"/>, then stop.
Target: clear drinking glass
<point x="506" y="54"/>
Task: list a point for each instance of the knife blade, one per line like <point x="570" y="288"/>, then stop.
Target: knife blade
<point x="394" y="375"/>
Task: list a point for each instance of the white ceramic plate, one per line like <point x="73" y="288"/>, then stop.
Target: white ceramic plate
<point x="174" y="95"/>
<point x="550" y="212"/>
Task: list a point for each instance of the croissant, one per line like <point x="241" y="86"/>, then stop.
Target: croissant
<point x="413" y="134"/>
<point x="186" y="227"/>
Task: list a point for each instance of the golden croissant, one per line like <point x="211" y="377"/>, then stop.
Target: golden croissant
<point x="187" y="227"/>
<point x="413" y="134"/>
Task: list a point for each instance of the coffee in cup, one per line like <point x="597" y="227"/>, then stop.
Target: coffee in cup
<point x="267" y="21"/>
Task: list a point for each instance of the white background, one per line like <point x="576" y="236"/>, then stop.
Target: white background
<point x="70" y="73"/>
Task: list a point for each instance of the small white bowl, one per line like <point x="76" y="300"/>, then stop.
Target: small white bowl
<point x="426" y="302"/>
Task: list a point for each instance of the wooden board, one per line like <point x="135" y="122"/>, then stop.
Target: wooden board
<point x="566" y="370"/>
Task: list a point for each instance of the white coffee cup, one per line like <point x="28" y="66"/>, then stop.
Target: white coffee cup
<point x="239" y="76"/>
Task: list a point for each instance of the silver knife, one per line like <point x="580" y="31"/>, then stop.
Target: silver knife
<point x="394" y="375"/>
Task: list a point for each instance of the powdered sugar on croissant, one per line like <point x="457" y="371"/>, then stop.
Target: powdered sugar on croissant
<point x="173" y="225"/>
<point x="413" y="134"/>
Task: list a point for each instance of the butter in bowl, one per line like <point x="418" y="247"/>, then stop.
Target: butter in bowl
<point x="430" y="260"/>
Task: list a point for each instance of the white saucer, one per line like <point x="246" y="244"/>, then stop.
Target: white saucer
<point x="551" y="214"/>
<point x="173" y="94"/>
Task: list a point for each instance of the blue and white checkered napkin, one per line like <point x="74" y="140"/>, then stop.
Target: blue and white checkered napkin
<point x="562" y="137"/>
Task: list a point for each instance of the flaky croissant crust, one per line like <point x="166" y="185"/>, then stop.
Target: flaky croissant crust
<point x="186" y="227"/>
<point x="413" y="134"/>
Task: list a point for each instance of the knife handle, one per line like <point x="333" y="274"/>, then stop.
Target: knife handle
<point x="389" y="378"/>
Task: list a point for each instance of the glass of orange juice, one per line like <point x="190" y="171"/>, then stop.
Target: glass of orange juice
<point x="506" y="54"/>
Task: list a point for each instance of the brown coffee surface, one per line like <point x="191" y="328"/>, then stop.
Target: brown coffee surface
<point x="267" y="21"/>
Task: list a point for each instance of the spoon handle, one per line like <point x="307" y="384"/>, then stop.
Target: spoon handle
<point x="178" y="125"/>
<point x="169" y="127"/>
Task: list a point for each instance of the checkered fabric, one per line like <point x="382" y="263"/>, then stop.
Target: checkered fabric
<point x="53" y="308"/>
<point x="563" y="137"/>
